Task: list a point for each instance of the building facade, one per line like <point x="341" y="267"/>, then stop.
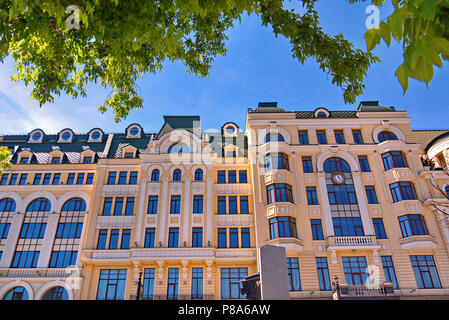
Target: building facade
<point x="355" y="197"/>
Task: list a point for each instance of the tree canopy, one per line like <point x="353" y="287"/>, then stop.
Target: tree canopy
<point x="4" y="159"/>
<point x="60" y="46"/>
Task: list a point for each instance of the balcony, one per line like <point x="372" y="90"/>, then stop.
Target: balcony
<point x="279" y="176"/>
<point x="417" y="242"/>
<point x="352" y="242"/>
<point x="291" y="245"/>
<point x="398" y="174"/>
<point x="361" y="292"/>
<point x="210" y="296"/>
<point x="281" y="209"/>
<point x="37" y="272"/>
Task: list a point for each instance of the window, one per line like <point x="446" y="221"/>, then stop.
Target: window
<point x="274" y="137"/>
<point x="80" y="178"/>
<point x="25" y="259"/>
<point x="17" y="293"/>
<point x="129" y="155"/>
<point x="221" y="176"/>
<point x="155" y="175"/>
<point x="312" y="198"/>
<point x="233" y="205"/>
<point x="122" y="177"/>
<point x="173" y="237"/>
<point x="371" y="195"/>
<point x="233" y="237"/>
<point x="4" y="230"/>
<point x="56" y="160"/>
<point x="62" y="259"/>
<point x="317" y="229"/>
<point x="321" y="136"/>
<point x="394" y="159"/>
<point x="307" y="164"/>
<point x="197" y="283"/>
<point x="150" y="235"/>
<point x="282" y="227"/>
<point x="33" y="231"/>
<point x="87" y="159"/>
<point x="230" y="282"/>
<point x="303" y="137"/>
<point x="276" y="161"/>
<point x="198" y="204"/>
<point x="102" y="236"/>
<point x="112" y="284"/>
<point x="245" y="236"/>
<point x="232" y="176"/>
<point x="56" y="293"/>
<point x="148" y="283"/>
<point x="425" y="271"/>
<point x="447" y="190"/>
<point x="37" y="179"/>
<point x="390" y="274"/>
<point x="39" y="205"/>
<point x="69" y="230"/>
<point x="111" y="177"/>
<point x="442" y="160"/>
<point x="107" y="207"/>
<point x="118" y="208"/>
<point x="412" y="225"/>
<point x="198" y="175"/>
<point x="129" y="208"/>
<point x="4" y="179"/>
<point x="197" y="237"/>
<point x="221" y="235"/>
<point x="244" y="208"/>
<point x="221" y="205"/>
<point x="126" y="237"/>
<point x="355" y="270"/>
<point x="7" y="205"/>
<point x="386" y="135"/>
<point x="152" y="205"/>
<point x="339" y="137"/>
<point x="66" y="136"/>
<point x="243" y="178"/>
<point x="74" y="204"/>
<point x="294" y="282"/>
<point x="95" y="135"/>
<point x="323" y="274"/>
<point x="179" y="148"/>
<point x="90" y="178"/>
<point x="403" y="191"/>
<point x="177" y="175"/>
<point x="133" y="177"/>
<point x="134" y="131"/>
<point x="347" y="226"/>
<point x="357" y="135"/>
<point x="172" y="283"/>
<point x="113" y="238"/>
<point x="364" y="164"/>
<point x="46" y="180"/>
<point x="24" y="160"/>
<point x="70" y="178"/>
<point x="175" y="204"/>
<point x="279" y="192"/>
<point x="379" y="228"/>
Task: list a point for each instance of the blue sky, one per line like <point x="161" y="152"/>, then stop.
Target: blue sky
<point x="258" y="67"/>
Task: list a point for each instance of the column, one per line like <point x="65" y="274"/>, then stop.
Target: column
<point x="186" y="212"/>
<point x="359" y="190"/>
<point x="210" y="208"/>
<point x="13" y="236"/>
<point x="163" y="213"/>
<point x="140" y="212"/>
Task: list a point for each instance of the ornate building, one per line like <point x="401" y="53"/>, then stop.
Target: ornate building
<point x="180" y="214"/>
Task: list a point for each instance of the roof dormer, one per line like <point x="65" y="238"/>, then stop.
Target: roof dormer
<point x="134" y="131"/>
<point x="36" y="136"/>
<point x="65" y="136"/>
<point x="321" y="113"/>
<point x="95" y="135"/>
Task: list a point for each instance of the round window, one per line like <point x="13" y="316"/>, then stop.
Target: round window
<point x="36" y="136"/>
<point x="134" y="131"/>
<point x="66" y="136"/>
<point x="321" y="114"/>
<point x="230" y="129"/>
<point x="95" y="135"/>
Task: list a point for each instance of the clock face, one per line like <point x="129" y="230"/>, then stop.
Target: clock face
<point x="338" y="178"/>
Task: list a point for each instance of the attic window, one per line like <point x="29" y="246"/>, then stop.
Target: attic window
<point x="56" y="160"/>
<point x="87" y="159"/>
<point x="134" y="131"/>
<point x="36" y="136"/>
<point x="24" y="160"/>
<point x="129" y="154"/>
<point x="321" y="114"/>
<point x="66" y="136"/>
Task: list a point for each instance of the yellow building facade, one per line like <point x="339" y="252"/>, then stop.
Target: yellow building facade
<point x="181" y="213"/>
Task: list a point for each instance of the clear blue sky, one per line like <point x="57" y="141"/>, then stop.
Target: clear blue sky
<point x="258" y="67"/>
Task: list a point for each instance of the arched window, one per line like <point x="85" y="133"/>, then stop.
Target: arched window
<point x="413" y="225"/>
<point x="56" y="293"/>
<point x="155" y="175"/>
<point x="74" y="204"/>
<point x="178" y="148"/>
<point x="199" y="175"/>
<point x="39" y="205"/>
<point x="394" y="159"/>
<point x="386" y="135"/>
<point x="17" y="293"/>
<point x="7" y="205"/>
<point x="321" y="114"/>
<point x="447" y="190"/>
<point x="276" y="161"/>
<point x="274" y="137"/>
<point x="336" y="165"/>
<point x="177" y="175"/>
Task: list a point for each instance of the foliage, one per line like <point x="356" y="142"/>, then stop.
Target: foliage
<point x="4" y="159"/>
<point x="119" y="40"/>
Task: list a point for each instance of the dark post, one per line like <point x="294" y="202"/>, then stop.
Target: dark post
<point x="139" y="284"/>
<point x="337" y="287"/>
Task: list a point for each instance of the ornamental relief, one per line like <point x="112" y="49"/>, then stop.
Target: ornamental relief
<point x="120" y="190"/>
<point x="115" y="221"/>
<point x="237" y="188"/>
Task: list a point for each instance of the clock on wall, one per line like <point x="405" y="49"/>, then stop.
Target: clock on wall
<point x="338" y="178"/>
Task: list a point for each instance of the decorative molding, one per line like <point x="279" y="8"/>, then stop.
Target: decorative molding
<point x="233" y="188"/>
<point x="120" y="190"/>
<point x="237" y="220"/>
<point x="115" y="221"/>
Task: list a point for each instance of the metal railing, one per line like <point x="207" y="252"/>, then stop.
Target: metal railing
<point x="362" y="291"/>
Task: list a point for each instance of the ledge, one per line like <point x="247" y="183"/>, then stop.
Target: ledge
<point x="418" y="242"/>
<point x="292" y="245"/>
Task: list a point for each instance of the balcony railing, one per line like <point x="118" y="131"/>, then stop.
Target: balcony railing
<point x="362" y="291"/>
<point x="178" y="297"/>
<point x="351" y="241"/>
<point x="36" y="273"/>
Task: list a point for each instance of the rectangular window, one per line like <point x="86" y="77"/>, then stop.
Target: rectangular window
<point x="390" y="274"/>
<point x="312" y="197"/>
<point x="56" y="160"/>
<point x="307" y="164"/>
<point x="90" y="178"/>
<point x="62" y="259"/>
<point x="232" y="176"/>
<point x="364" y="164"/>
<point x="113" y="239"/>
<point x="221" y="205"/>
<point x="245" y="236"/>
<point x="355" y="269"/>
<point x="303" y="137"/>
<point x="233" y="237"/>
<point x="233" y="205"/>
<point x="230" y="282"/>
<point x="24" y="160"/>
<point x="112" y="284"/>
<point x="4" y="230"/>
<point x="379" y="228"/>
<point x="197" y="237"/>
<point x="357" y="135"/>
<point x="198" y="204"/>
<point x="122" y="177"/>
<point x="173" y="237"/>
<point x="175" y="204"/>
<point x="69" y="230"/>
<point x="25" y="259"/>
<point x="133" y="177"/>
<point x="33" y="231"/>
<point x="150" y="235"/>
<point x="221" y="237"/>
<point x="46" y="180"/>
<point x="111" y="177"/>
<point x="129" y="208"/>
<point x="197" y="283"/>
<point x="23" y="179"/>
<point x="102" y="236"/>
<point x="4" y="179"/>
<point x="403" y="190"/>
<point x="221" y="176"/>
<point x="56" y="178"/>
<point x="244" y="207"/>
<point x="80" y="178"/>
<point x="148" y="283"/>
<point x="323" y="274"/>
<point x="118" y="208"/>
<point x="87" y="159"/>
<point x="13" y="180"/>
<point x="107" y="206"/>
<point x="37" y="179"/>
<point x="70" y="178"/>
<point x="425" y="271"/>
<point x="172" y="283"/>
<point x="371" y="195"/>
<point x="339" y="137"/>
<point x="317" y="229"/>
<point x="294" y="282"/>
<point x="243" y="178"/>
<point x="152" y="204"/>
<point x="126" y="237"/>
<point x="321" y="136"/>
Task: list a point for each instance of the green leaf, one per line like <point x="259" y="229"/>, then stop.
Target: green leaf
<point x="440" y="44"/>
<point x="428" y="9"/>
<point x="428" y="53"/>
<point x="402" y="76"/>
<point x="372" y="38"/>
<point x="385" y="32"/>
<point x="395" y="22"/>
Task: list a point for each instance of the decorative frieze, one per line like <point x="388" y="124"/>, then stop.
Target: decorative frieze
<point x="115" y="221"/>
<point x="234" y="220"/>
<point x="120" y="190"/>
<point x="233" y="188"/>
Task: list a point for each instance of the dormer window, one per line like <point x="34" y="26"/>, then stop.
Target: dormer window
<point x="56" y="160"/>
<point x="129" y="154"/>
<point x="65" y="136"/>
<point x="134" y="131"/>
<point x="95" y="135"/>
<point x="230" y="129"/>
<point x="36" y="136"/>
<point x="24" y="160"/>
<point x="321" y="113"/>
<point x="87" y="159"/>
